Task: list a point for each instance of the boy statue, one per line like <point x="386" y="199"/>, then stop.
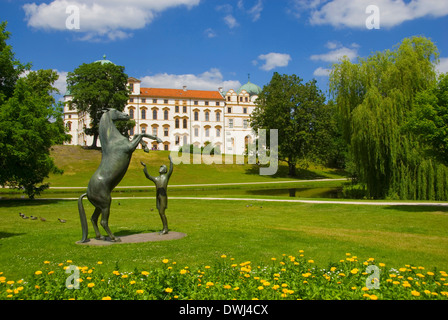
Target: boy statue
<point x="161" y="183"/>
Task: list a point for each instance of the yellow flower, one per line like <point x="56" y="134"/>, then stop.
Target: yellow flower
<point x="415" y="293"/>
<point x="223" y="256"/>
<point x="106" y="298"/>
<point x="310" y="261"/>
<point x="145" y="273"/>
<point x="69" y="261"/>
<point x="209" y="284"/>
<point x="168" y="290"/>
<point x="46" y="262"/>
<point x="165" y="260"/>
<point x="124" y="276"/>
<point x="260" y="288"/>
<point x="402" y="269"/>
<point x="373" y="297"/>
<point x="236" y="288"/>
<point x="100" y="262"/>
<point x="38" y="272"/>
<point x="139" y="291"/>
<point x="354" y="271"/>
<point x="365" y="289"/>
<point x="132" y="282"/>
<point x="382" y="264"/>
<point x="183" y="271"/>
<point x="91" y="285"/>
<point x="430" y="273"/>
<point x="227" y="286"/>
<point x="348" y="254"/>
<point x="273" y="259"/>
<point x="275" y="287"/>
<point x="207" y="267"/>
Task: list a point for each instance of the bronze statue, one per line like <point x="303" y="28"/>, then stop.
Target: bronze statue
<point x="161" y="183"/>
<point x="116" y="155"/>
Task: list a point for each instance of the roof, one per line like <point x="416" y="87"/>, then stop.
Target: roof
<point x="181" y="94"/>
<point x="250" y="88"/>
<point x="104" y="61"/>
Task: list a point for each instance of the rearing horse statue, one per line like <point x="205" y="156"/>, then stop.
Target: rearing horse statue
<point x="116" y="155"/>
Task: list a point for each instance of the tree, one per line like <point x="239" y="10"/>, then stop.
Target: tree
<point x="97" y="86"/>
<point x="375" y="98"/>
<point x="429" y="119"/>
<point x="30" y="123"/>
<point x="299" y="113"/>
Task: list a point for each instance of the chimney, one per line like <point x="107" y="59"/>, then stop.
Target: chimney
<point x="185" y="88"/>
<point x="220" y="89"/>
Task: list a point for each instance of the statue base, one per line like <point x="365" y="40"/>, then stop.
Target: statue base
<point x="136" y="238"/>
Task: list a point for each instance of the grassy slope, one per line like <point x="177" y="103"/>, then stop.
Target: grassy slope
<point x="79" y="165"/>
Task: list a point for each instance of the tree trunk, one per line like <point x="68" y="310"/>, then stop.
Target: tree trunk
<point x="292" y="168"/>
<point x="94" y="142"/>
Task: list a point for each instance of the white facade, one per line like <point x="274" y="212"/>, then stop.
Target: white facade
<point x="182" y="116"/>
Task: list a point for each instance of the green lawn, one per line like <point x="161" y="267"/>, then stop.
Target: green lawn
<point x="392" y="235"/>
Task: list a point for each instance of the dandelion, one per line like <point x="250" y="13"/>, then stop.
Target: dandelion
<point x="145" y="273"/>
<point x="91" y="285"/>
<point x="415" y="293"/>
<point x="430" y="273"/>
<point x="260" y="288"/>
<point x="106" y="298"/>
<point x="140" y="291"/>
<point x="373" y="297"/>
<point x="310" y="261"/>
<point x="227" y="286"/>
<point x="165" y="260"/>
<point x="46" y="262"/>
<point x="354" y="271"/>
<point x="236" y="288"/>
<point x="183" y="271"/>
<point x="223" y="256"/>
<point x="168" y="290"/>
<point x="207" y="267"/>
<point x="99" y="262"/>
<point x="132" y="282"/>
<point x="38" y="272"/>
<point x="209" y="284"/>
<point x="124" y="276"/>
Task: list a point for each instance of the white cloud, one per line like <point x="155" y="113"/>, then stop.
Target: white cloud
<point x="210" y="33"/>
<point x="209" y="80"/>
<point x="338" y="51"/>
<point x="274" y="60"/>
<point x="442" y="67"/>
<point x="230" y="21"/>
<point x="61" y="83"/>
<point x="322" y="72"/>
<point x="110" y="19"/>
<point x="256" y="10"/>
<point x="352" y="14"/>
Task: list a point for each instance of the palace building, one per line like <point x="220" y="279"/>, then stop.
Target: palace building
<point x="181" y="117"/>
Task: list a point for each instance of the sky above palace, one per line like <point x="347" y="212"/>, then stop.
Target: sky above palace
<point x="206" y="44"/>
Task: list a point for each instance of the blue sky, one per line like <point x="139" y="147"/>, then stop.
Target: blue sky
<point x="205" y="44"/>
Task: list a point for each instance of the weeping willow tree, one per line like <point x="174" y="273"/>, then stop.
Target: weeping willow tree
<point x="375" y="98"/>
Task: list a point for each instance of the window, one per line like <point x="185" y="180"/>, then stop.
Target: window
<point x="69" y="126"/>
<point x="185" y="123"/>
<point x="196" y="132"/>
<point x="165" y="101"/>
<point x="166" y="147"/>
<point x="228" y="98"/>
<point x="177" y="124"/>
<point x="154" y="114"/>
<point x="184" y="109"/>
<point x="217" y="103"/>
<point x="131" y="132"/>
<point x="131" y="113"/>
<point x="166" y="131"/>
<point x="207" y="116"/>
<point x="218" y="116"/>
<point x="218" y="132"/>
<point x="206" y="103"/>
<point x="131" y="86"/>
<point x="229" y="110"/>
<point x="154" y="131"/>
<point x="143" y="100"/>
<point x="207" y="132"/>
<point x="143" y="113"/>
<point x="244" y="110"/>
<point x="176" y="109"/>
<point x="154" y="100"/>
<point x="247" y="99"/>
<point x="143" y="129"/>
<point x="177" y="139"/>
<point x="165" y="115"/>
<point x="196" y="103"/>
<point x="196" y="116"/>
<point x="245" y="123"/>
<point x="185" y="140"/>
<point x="230" y="123"/>
<point x="241" y="99"/>
<point x="131" y="99"/>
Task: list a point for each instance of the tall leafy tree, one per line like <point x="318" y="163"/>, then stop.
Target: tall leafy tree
<point x="375" y="98"/>
<point x="299" y="113"/>
<point x="30" y="123"/>
<point x="97" y="86"/>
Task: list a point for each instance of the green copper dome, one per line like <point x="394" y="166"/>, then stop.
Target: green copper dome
<point x="104" y="61"/>
<point x="250" y="88"/>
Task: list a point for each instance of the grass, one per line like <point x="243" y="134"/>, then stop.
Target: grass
<point x="393" y="235"/>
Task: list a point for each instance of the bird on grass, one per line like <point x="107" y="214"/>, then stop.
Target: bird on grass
<point x="23" y="216"/>
<point x="62" y="220"/>
<point x="33" y="218"/>
<point x="42" y="219"/>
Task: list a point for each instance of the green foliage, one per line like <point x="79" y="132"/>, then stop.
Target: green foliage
<point x="95" y="87"/>
<point x="375" y="98"/>
<point x="285" y="278"/>
<point x="299" y="113"/>
<point x="30" y="123"/>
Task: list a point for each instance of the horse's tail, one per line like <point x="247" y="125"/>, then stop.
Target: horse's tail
<point x="82" y="215"/>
